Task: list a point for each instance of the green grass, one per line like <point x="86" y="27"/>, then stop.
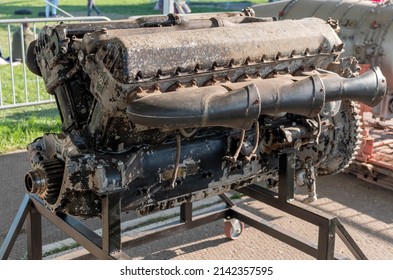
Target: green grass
<point x="61" y="249"/>
<point x="20" y="87"/>
<point x="78" y="7"/>
<point x="236" y="195"/>
<point x="20" y="126"/>
<point x="117" y="8"/>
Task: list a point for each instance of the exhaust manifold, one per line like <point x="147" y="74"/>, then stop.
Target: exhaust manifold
<point x="239" y="105"/>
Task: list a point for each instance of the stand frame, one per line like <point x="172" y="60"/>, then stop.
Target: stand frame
<point x="110" y="244"/>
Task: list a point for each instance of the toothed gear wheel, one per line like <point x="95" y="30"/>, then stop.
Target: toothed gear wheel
<point x="51" y="171"/>
<point x="339" y="141"/>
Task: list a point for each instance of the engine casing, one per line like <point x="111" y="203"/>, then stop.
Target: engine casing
<point x="170" y="109"/>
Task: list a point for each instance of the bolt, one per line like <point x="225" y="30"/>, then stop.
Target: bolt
<point x="63" y="50"/>
<point x="298" y="143"/>
<point x="100" y="79"/>
<point x="81" y="56"/>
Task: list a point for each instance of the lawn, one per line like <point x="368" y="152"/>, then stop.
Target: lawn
<point x="20" y="126"/>
<point x="79" y="7"/>
<point x="114" y="9"/>
<point x="31" y="90"/>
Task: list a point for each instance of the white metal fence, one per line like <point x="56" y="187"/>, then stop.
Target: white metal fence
<point x="18" y="86"/>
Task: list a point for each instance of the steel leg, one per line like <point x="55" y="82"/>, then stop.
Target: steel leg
<point x="186" y="212"/>
<point x="326" y="240"/>
<point x="34" y="234"/>
<point x="111" y="223"/>
<point x="349" y="242"/>
<point x="327" y="223"/>
<point x="227" y="200"/>
<point x="15" y="228"/>
<point x="74" y="229"/>
<point x="286" y="173"/>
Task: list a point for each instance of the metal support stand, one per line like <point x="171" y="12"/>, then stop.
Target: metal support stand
<point x="111" y="230"/>
<point x="34" y="235"/>
<point x="109" y="245"/>
<point x="328" y="224"/>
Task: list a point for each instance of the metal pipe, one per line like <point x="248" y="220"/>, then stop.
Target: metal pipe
<point x="239" y="105"/>
<point x="201" y="107"/>
<point x="59" y="19"/>
<point x="22" y="40"/>
<point x="368" y="88"/>
<point x="11" y="66"/>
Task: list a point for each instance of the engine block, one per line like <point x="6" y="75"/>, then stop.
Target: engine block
<point x="169" y="109"/>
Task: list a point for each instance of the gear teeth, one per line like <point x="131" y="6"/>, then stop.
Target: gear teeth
<point x="53" y="169"/>
<point x="350" y="137"/>
<point x="357" y="123"/>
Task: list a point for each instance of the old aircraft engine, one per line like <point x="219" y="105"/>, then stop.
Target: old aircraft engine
<point x="168" y="109"/>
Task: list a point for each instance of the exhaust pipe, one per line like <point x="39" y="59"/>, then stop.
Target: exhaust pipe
<point x="200" y="107"/>
<point x="239" y="105"/>
<point x="369" y="88"/>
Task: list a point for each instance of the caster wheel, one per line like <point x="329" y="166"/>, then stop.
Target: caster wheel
<point x="233" y="228"/>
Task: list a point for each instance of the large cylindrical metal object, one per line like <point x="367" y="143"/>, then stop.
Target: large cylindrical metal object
<point x="241" y="105"/>
<point x="366" y="29"/>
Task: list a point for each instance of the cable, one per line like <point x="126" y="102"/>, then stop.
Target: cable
<point x="239" y="147"/>
<point x="256" y="141"/>
<point x="177" y="161"/>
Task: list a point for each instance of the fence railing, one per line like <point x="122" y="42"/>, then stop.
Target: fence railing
<point x="18" y="86"/>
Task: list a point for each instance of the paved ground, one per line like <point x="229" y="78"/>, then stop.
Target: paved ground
<point x="364" y="209"/>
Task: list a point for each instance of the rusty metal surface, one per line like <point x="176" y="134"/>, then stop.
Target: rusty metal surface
<point x="163" y="122"/>
<point x="374" y="162"/>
